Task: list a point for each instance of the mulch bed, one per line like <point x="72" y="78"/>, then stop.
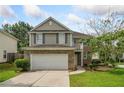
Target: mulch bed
<point x="103" y="68"/>
<point x="100" y="68"/>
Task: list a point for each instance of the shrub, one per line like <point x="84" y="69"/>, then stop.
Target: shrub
<point x="92" y="66"/>
<point x="96" y="61"/>
<point x="23" y="64"/>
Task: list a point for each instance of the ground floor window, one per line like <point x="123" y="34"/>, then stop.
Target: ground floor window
<point x="85" y="55"/>
<point x="4" y="54"/>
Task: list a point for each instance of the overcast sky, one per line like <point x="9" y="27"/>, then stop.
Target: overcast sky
<point x="71" y="16"/>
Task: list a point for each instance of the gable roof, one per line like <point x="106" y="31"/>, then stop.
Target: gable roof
<point x="80" y="35"/>
<point x="9" y="35"/>
<point x="51" y="18"/>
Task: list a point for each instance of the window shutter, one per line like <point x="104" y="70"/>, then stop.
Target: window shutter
<point x="57" y="38"/>
<point x="43" y="38"/>
<point x="66" y="38"/>
<point x="35" y="38"/>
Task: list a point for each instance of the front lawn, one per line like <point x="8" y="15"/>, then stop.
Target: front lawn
<point x="7" y="71"/>
<point x="113" y="78"/>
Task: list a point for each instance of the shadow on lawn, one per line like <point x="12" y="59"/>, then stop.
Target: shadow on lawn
<point x="117" y="71"/>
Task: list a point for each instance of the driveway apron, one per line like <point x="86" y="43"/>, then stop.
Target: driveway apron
<point x="39" y="79"/>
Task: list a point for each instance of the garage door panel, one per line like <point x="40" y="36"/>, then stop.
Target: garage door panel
<point x="49" y="61"/>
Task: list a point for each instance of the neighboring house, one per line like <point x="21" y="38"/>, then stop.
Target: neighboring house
<point x="8" y="45"/>
<point x="52" y="45"/>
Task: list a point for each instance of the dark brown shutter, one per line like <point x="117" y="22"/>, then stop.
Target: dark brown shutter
<point x="66" y="38"/>
<point x="43" y="38"/>
<point x="35" y="38"/>
<point x="57" y="38"/>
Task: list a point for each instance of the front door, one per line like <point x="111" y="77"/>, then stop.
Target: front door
<point x="78" y="58"/>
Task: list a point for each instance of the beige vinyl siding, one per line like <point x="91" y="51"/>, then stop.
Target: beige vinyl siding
<point x="7" y="43"/>
<point x="50" y="25"/>
<point x="50" y="38"/>
<point x="32" y="39"/>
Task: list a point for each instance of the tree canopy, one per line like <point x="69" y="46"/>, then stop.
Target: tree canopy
<point x="109" y="37"/>
<point x="19" y="30"/>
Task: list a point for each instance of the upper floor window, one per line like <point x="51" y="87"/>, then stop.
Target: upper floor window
<point x="85" y="54"/>
<point x="39" y="38"/>
<point x="76" y="41"/>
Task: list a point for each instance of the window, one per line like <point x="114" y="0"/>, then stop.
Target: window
<point x="74" y="41"/>
<point x="4" y="54"/>
<point x="85" y="55"/>
<point x="39" y="38"/>
<point x="50" y="38"/>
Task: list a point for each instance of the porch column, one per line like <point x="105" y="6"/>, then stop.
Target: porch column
<point x="70" y="39"/>
<point x="82" y="48"/>
<point x="30" y="39"/>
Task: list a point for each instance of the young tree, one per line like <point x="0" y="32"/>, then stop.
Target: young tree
<point x="105" y="30"/>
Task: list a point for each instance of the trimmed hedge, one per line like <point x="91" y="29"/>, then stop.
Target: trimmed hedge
<point x="24" y="64"/>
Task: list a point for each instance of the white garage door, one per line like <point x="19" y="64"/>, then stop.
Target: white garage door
<point x="49" y="61"/>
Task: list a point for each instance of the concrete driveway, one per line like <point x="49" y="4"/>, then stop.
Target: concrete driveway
<point x="39" y="79"/>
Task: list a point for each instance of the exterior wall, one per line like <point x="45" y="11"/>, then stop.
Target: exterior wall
<point x="48" y="38"/>
<point x="8" y="44"/>
<point x="50" y="25"/>
<point x="71" y="64"/>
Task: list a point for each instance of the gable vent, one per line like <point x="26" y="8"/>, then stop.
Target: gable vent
<point x="50" y="23"/>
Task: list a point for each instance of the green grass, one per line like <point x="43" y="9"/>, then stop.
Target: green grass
<point x="7" y="71"/>
<point x="113" y="78"/>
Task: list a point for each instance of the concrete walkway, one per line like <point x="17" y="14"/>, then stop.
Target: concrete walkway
<point x="120" y="66"/>
<point x="39" y="79"/>
<point x="77" y="72"/>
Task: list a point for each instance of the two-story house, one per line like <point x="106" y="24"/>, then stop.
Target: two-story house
<point x="52" y="45"/>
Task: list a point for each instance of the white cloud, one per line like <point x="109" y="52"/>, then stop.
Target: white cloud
<point x="6" y="11"/>
<point x="34" y="11"/>
<point x="101" y="9"/>
<point x="74" y="18"/>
